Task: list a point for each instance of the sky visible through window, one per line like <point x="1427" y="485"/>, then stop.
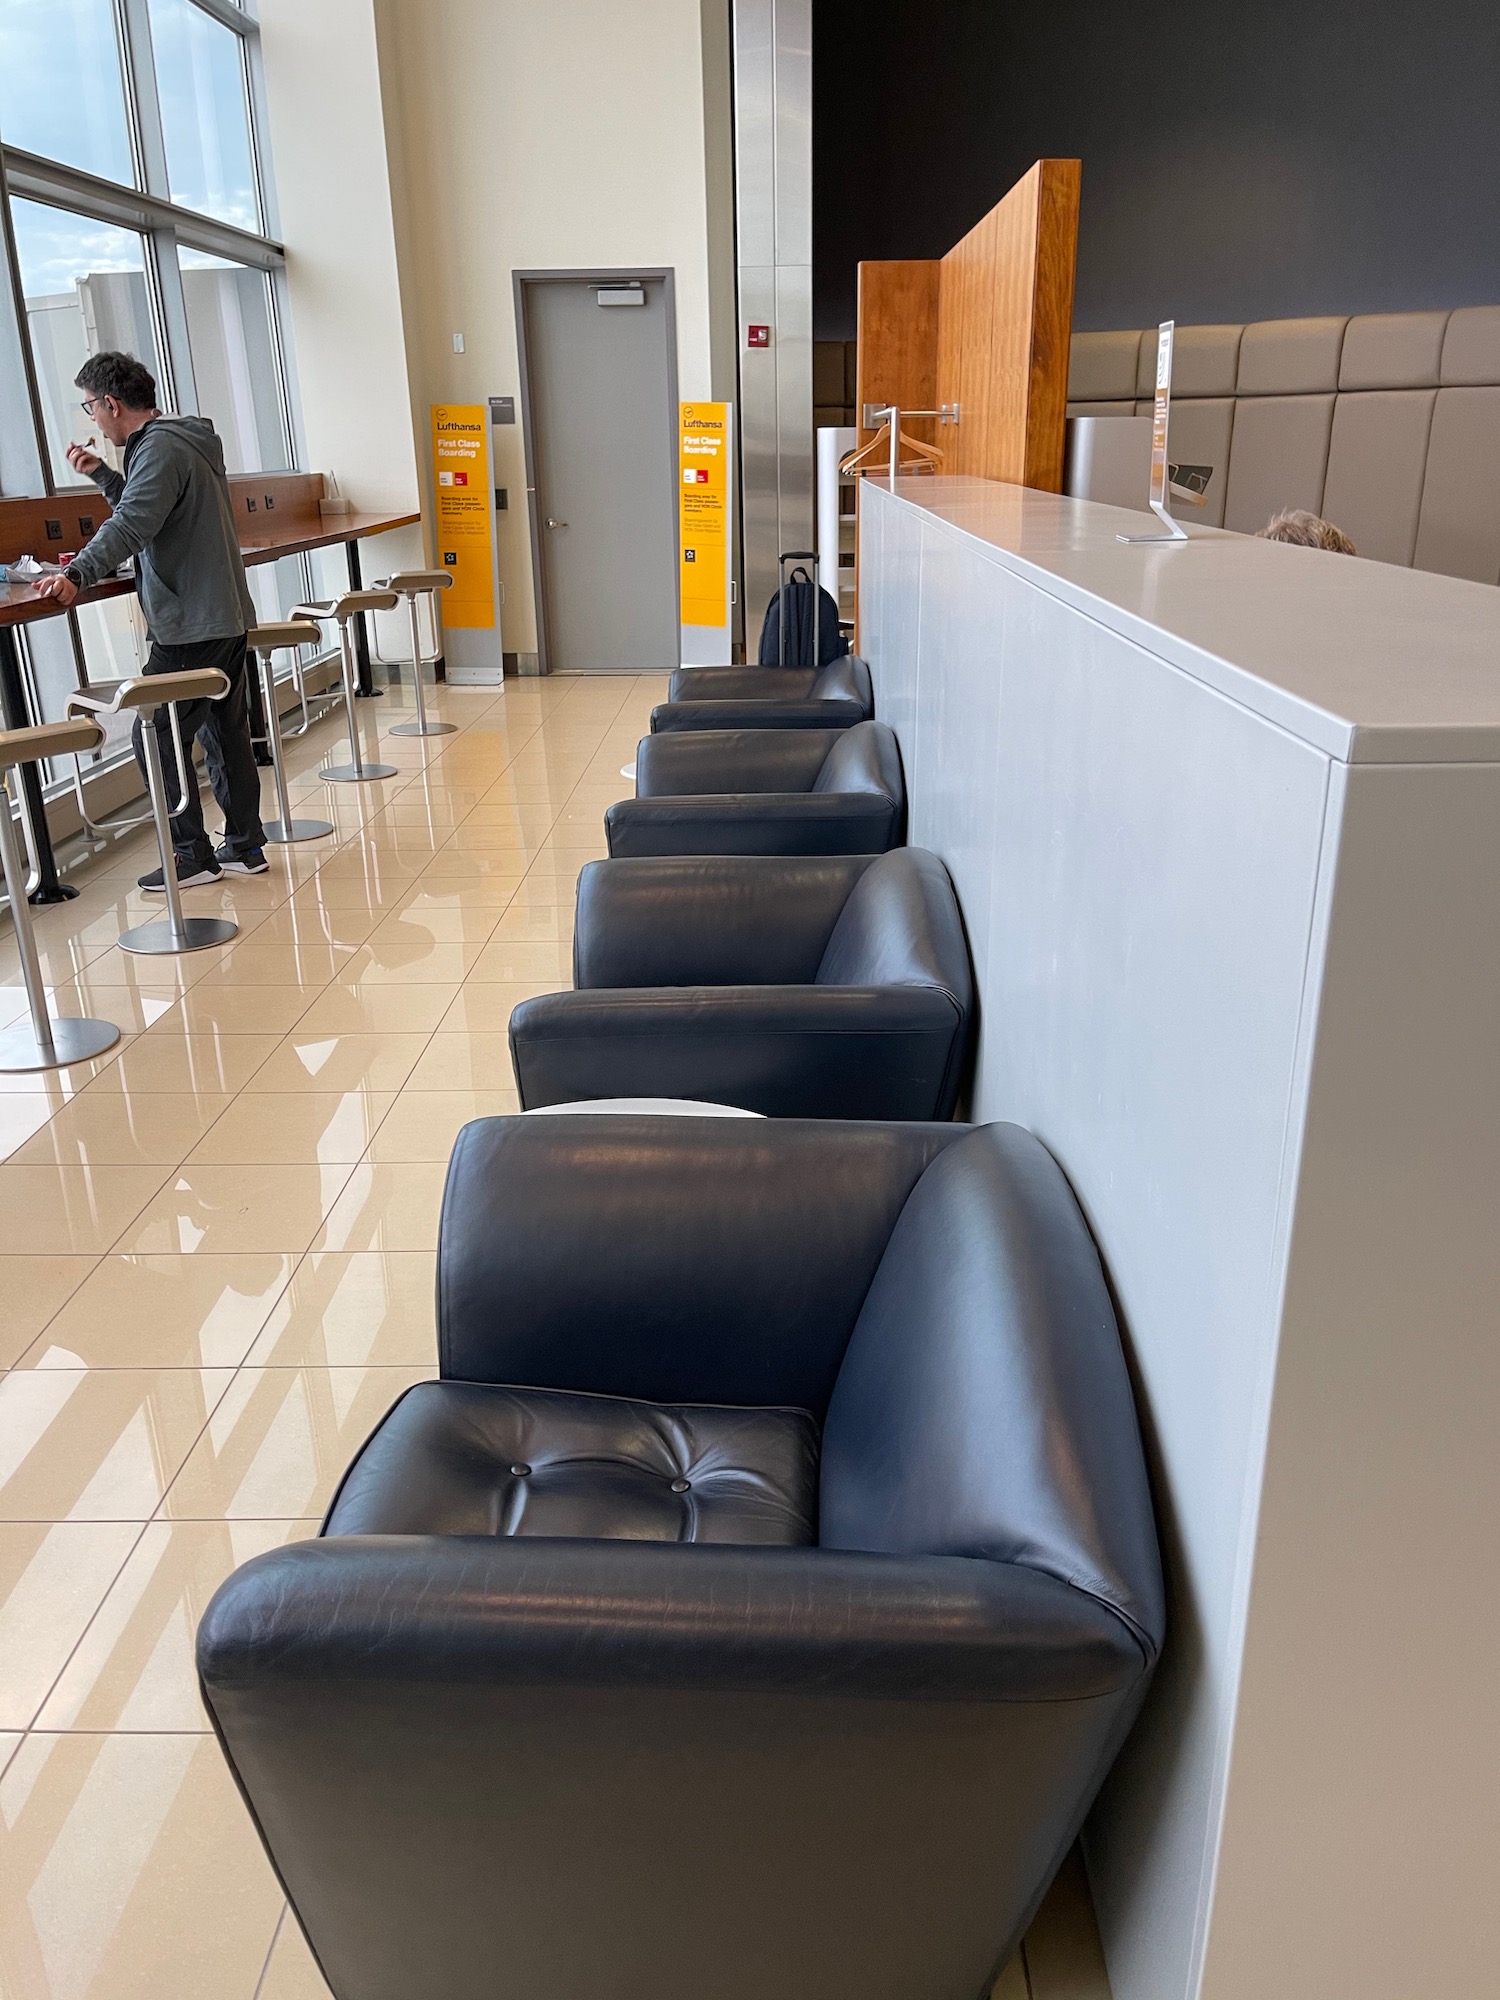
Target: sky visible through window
<point x="205" y="121"/>
<point x="60" y="89"/>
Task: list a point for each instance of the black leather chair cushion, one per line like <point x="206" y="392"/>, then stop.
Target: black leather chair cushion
<point x="763" y="791"/>
<point x="837" y="696"/>
<point x="477" y="1458"/>
<point x="833" y="987"/>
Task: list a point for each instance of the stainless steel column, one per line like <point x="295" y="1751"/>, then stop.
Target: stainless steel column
<point x="773" y="213"/>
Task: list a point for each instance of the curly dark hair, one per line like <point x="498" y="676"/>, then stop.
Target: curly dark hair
<point x="119" y="375"/>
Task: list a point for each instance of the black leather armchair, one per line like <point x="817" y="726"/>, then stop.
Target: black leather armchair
<point x="763" y="791"/>
<point x="754" y="1607"/>
<point x="833" y="987"/>
<point x="831" y="697"/>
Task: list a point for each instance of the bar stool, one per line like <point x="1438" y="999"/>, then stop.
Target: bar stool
<point x="45" y="1044"/>
<point x="344" y="610"/>
<point x="412" y="584"/>
<point x="143" y="696"/>
<point x="265" y="641"/>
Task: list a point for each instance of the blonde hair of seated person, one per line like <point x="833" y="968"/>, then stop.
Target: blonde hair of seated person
<point x="1308" y="531"/>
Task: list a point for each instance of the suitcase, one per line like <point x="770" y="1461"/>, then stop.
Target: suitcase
<point x="801" y="627"/>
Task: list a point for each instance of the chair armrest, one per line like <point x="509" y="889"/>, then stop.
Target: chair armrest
<point x="785" y="1051"/>
<point x="673" y="1259"/>
<point x="754" y="823"/>
<point x="445" y="1611"/>
<point x="689" y="762"/>
<point x="835" y="714"/>
<point x="708" y="921"/>
<point x="741" y="683"/>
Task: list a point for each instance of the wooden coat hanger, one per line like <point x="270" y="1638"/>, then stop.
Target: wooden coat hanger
<point x="882" y="444"/>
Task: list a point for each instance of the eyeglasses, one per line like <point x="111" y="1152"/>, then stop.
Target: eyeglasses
<point x="88" y="407"/>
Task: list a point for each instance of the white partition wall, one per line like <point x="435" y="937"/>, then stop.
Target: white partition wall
<point x="1225" y="823"/>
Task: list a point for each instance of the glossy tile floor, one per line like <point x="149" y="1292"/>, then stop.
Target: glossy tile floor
<point x="216" y="1268"/>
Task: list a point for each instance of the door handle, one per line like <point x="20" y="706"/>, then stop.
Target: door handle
<point x="555" y="524"/>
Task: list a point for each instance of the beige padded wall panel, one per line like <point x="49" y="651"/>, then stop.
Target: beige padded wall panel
<point x="1290" y="357"/>
<point x="1198" y="434"/>
<point x="1101" y="409"/>
<point x="831" y="416"/>
<point x="1459" y="532"/>
<point x="1471" y="347"/>
<point x="1375" y="459"/>
<point x="1278" y="456"/>
<point x="828" y="372"/>
<point x="1392" y="351"/>
<point x="1101" y="367"/>
<point x="851" y="373"/>
<point x="1205" y="361"/>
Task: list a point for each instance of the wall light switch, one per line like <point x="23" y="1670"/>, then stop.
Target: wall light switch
<point x="458" y="343"/>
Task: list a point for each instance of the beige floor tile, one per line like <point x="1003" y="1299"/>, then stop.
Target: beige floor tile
<point x="213" y="1207"/>
<point x="423" y="1124"/>
<point x="35" y="1289"/>
<point x="351" y="892"/>
<point x="58" y="1086"/>
<point x="308" y="926"/>
<point x="1064" y="1958"/>
<point x="538" y="922"/>
<point x="114" y="1128"/>
<point x="213" y="1009"/>
<point x="408" y="961"/>
<point x="101" y="1444"/>
<point x="198" y="1063"/>
<point x="414" y="929"/>
<point x="523" y="961"/>
<point x="376" y="1009"/>
<point x="281" y="1440"/>
<point x="278" y="1127"/>
<point x="386" y="1207"/>
<point x="448" y="893"/>
<point x="341" y="1062"/>
<point x="53" y="1577"/>
<point x="131" y="1871"/>
<point x="22" y="1115"/>
<point x="518" y="841"/>
<point x="481" y="1008"/>
<point x="292" y="1971"/>
<point x="291" y="966"/>
<point x="353" y="1309"/>
<point x="447" y="865"/>
<point x="131" y="1010"/>
<point x="465" y="1062"/>
<point x="70" y="1211"/>
<point x="166" y="1311"/>
<point x="134" y="1668"/>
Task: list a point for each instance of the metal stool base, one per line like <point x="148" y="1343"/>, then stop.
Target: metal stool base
<point x="73" y="1040"/>
<point x="348" y="774"/>
<point x="422" y="729"/>
<point x="297" y="829"/>
<point x="197" y="934"/>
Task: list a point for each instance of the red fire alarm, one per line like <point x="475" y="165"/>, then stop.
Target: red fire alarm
<point x="758" y="336"/>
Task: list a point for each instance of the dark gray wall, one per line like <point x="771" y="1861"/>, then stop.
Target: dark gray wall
<point x="1242" y="159"/>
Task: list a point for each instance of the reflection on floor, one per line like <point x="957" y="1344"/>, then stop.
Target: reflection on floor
<point x="216" y="1264"/>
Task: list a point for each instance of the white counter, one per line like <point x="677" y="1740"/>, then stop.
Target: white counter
<point x="1225" y="822"/>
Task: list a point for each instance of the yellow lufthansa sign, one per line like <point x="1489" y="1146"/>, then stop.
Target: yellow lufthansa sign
<point x="465" y="521"/>
<point x="703" y="466"/>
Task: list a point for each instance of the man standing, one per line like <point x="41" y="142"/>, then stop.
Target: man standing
<point x="172" y="512"/>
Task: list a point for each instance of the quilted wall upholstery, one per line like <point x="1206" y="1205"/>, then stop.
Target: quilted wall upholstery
<point x="1388" y="424"/>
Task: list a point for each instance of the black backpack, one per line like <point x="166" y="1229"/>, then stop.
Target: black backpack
<point x="801" y="627"/>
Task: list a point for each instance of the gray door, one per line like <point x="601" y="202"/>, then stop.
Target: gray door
<point x="601" y="393"/>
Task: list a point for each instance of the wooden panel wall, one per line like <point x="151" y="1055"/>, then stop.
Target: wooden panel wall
<point x="989" y="328"/>
<point x="896" y="357"/>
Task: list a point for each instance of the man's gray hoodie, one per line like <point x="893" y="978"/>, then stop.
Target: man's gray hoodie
<point x="172" y="512"/>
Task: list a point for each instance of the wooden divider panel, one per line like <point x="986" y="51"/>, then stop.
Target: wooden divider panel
<point x="897" y="352"/>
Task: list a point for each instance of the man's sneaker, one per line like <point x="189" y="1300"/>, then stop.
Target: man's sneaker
<point x="251" y="862"/>
<point x="190" y="875"/>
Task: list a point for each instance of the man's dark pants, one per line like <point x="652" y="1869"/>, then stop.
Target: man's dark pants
<point x="224" y="730"/>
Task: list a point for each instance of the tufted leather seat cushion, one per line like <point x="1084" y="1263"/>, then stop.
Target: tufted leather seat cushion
<point x="476" y="1458"/>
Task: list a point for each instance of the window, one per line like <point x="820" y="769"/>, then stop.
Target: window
<point x="232" y="336"/>
<point x="205" y="112"/>
<point x="131" y="182"/>
<point x="62" y="93"/>
<point x="83" y="289"/>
